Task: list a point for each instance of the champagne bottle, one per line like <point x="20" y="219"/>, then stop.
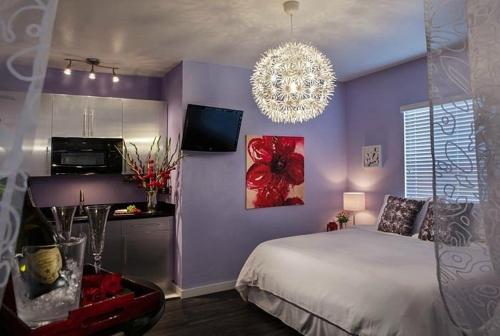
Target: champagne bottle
<point x="40" y="268"/>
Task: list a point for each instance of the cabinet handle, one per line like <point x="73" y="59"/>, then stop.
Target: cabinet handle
<point x="85" y="123"/>
<point x="146" y="225"/>
<point x="47" y="159"/>
<point x="92" y="123"/>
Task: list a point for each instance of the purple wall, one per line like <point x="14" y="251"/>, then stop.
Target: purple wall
<point x="134" y="87"/>
<point x="373" y="118"/>
<point x="218" y="233"/>
<point x="98" y="189"/>
<point x="172" y="85"/>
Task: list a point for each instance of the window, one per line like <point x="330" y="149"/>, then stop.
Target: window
<point x="454" y="150"/>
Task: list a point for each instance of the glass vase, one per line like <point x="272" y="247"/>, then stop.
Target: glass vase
<point x="152" y="200"/>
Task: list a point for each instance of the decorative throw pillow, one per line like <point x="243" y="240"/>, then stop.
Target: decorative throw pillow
<point x="399" y="215"/>
<point x="427" y="228"/>
<point x="455" y="219"/>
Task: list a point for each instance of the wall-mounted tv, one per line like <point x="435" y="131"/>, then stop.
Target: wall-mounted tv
<point x="211" y="129"/>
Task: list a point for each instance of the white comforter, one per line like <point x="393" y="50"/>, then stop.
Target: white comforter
<point x="365" y="282"/>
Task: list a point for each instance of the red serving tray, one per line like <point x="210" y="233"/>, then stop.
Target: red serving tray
<point x="92" y="318"/>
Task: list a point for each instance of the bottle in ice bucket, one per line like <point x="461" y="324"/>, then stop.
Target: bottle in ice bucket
<point x="39" y="270"/>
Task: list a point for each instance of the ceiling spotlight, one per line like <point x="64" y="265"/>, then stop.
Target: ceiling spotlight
<point x="92" y="73"/>
<point x="94" y="63"/>
<point x="67" y="71"/>
<point x="116" y="79"/>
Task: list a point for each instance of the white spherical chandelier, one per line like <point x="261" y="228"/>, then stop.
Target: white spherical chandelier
<point x="293" y="82"/>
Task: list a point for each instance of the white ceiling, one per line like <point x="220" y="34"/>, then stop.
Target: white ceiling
<point x="149" y="37"/>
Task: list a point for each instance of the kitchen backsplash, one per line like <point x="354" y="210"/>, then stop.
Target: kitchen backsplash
<point x="64" y="190"/>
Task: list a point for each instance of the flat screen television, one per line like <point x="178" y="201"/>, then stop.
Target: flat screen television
<point x="211" y="129"/>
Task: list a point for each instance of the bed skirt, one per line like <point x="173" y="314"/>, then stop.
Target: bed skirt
<point x="295" y="317"/>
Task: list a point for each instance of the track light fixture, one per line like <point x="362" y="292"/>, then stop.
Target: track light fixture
<point x="94" y="63"/>
<point x="92" y="73"/>
<point x="116" y="79"/>
<point x="67" y="71"/>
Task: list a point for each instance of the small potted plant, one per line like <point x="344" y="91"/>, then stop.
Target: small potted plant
<point x="342" y="218"/>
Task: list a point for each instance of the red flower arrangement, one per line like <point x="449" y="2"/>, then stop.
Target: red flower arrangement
<point x="98" y="287"/>
<point x="153" y="173"/>
<point x="276" y="168"/>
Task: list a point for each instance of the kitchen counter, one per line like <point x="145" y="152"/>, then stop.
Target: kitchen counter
<point x="129" y="236"/>
<point x="163" y="209"/>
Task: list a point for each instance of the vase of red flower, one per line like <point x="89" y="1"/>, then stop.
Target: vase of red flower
<point x="342" y="218"/>
<point x="152" y="173"/>
<point x="152" y="200"/>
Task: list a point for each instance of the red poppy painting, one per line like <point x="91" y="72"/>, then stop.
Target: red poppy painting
<point x="275" y="171"/>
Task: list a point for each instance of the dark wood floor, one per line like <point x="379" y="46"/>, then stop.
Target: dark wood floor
<point x="217" y="314"/>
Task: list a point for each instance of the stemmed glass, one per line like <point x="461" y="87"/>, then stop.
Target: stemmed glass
<point x="64" y="221"/>
<point x="98" y="217"/>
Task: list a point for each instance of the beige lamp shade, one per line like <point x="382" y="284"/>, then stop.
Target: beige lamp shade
<point x="354" y="201"/>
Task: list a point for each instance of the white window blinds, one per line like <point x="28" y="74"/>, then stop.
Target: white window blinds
<point x="454" y="150"/>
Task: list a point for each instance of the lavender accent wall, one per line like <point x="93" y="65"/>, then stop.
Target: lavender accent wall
<point x="218" y="233"/>
<point x="98" y="189"/>
<point x="172" y="84"/>
<point x="134" y="87"/>
<point x="373" y="117"/>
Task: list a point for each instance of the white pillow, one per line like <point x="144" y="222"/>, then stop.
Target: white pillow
<point x="417" y="223"/>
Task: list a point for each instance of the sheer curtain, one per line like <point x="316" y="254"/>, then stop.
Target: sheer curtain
<point x="25" y="36"/>
<point x="463" y="41"/>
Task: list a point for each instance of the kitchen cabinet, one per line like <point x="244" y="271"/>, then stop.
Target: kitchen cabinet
<point x="113" y="253"/>
<point x="104" y="117"/>
<point x="69" y="116"/>
<point x="143" y="120"/>
<point x="81" y="116"/>
<point x="134" y="120"/>
<point x="149" y="249"/>
<point x="11" y="104"/>
<point x="36" y="144"/>
<point x="142" y="248"/>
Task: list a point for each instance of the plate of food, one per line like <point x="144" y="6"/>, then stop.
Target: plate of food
<point x="129" y="211"/>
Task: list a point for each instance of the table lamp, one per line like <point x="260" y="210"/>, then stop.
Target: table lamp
<point x="354" y="201"/>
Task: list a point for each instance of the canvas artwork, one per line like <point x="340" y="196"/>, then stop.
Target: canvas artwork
<point x="372" y="156"/>
<point x="274" y="171"/>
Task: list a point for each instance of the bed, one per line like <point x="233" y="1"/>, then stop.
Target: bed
<point x="350" y="282"/>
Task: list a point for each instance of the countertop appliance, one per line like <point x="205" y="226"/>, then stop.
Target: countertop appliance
<point x="86" y="156"/>
<point x="211" y="129"/>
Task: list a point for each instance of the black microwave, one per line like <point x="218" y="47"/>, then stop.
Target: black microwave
<point x="86" y="156"/>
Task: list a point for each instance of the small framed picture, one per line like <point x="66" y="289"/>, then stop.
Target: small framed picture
<point x="372" y="156"/>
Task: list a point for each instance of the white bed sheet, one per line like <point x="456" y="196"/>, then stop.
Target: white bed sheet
<point x="365" y="282"/>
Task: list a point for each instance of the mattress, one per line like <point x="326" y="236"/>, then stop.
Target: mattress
<point x="348" y="282"/>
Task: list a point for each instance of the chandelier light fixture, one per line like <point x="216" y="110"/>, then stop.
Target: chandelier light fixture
<point x="93" y="63"/>
<point x="293" y="82"/>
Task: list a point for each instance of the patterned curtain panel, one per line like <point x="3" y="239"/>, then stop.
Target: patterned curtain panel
<point x="463" y="39"/>
<point x="25" y="36"/>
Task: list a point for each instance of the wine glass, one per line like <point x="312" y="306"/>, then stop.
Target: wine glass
<point x="64" y="221"/>
<point x="98" y="217"/>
